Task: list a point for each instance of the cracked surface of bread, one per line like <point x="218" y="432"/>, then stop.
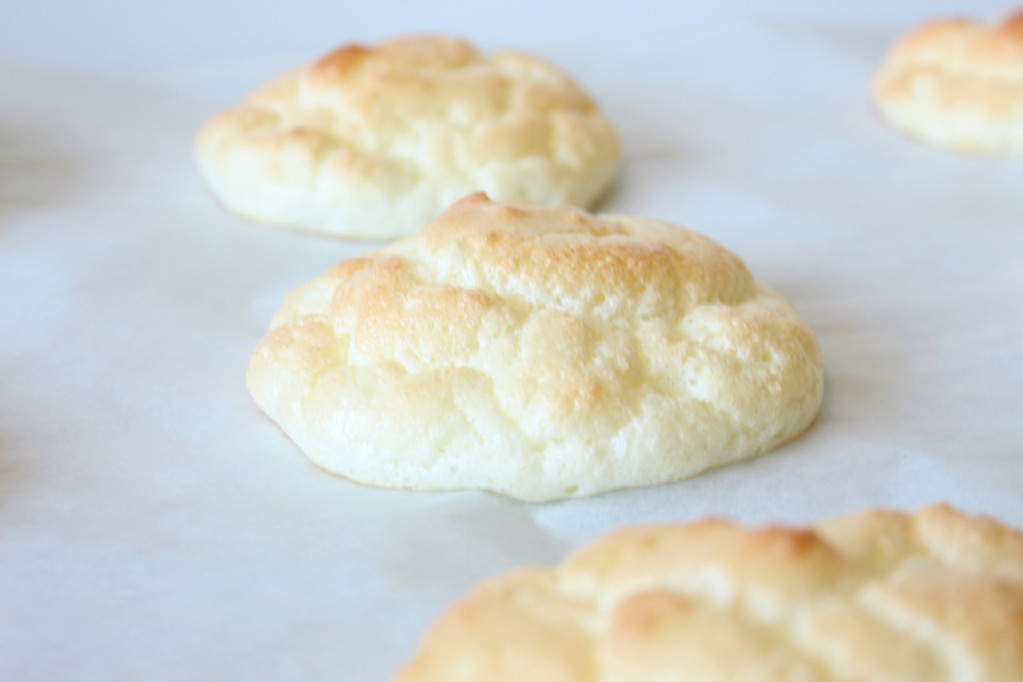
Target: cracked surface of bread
<point x="935" y="596"/>
<point x="957" y="84"/>
<point x="537" y="352"/>
<point x="374" y="142"/>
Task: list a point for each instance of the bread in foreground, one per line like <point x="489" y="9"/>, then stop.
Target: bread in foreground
<point x="541" y="353"/>
<point x="372" y="142"/>
<point x="957" y="84"/>
<point x="935" y="596"/>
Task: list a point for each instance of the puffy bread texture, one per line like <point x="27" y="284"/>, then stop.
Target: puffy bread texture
<point x="374" y="142"/>
<point x="537" y="352"/>
<point x="935" y="596"/>
<point x="957" y="84"/>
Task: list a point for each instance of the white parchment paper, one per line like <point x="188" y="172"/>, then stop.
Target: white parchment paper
<point x="155" y="526"/>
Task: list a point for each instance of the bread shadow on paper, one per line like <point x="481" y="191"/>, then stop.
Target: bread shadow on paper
<point x="37" y="169"/>
<point x="641" y="179"/>
<point x="867" y="367"/>
<point x="13" y="471"/>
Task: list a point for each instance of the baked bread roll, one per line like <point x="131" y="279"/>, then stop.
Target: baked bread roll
<point x="541" y="353"/>
<point x="935" y="596"/>
<point x="374" y="142"/>
<point x="957" y="84"/>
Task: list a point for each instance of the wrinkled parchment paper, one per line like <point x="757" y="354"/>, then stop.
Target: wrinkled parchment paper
<point x="155" y="526"/>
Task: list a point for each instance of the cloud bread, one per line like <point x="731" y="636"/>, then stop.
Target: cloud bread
<point x="935" y="596"/>
<point x="957" y="84"/>
<point x="537" y="352"/>
<point x="374" y="142"/>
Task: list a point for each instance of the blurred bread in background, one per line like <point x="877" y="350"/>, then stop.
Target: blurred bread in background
<point x="935" y="596"/>
<point x="957" y="84"/>
<point x="372" y="142"/>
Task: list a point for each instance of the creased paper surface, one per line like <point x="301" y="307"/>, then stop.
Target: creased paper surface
<point x="155" y="526"/>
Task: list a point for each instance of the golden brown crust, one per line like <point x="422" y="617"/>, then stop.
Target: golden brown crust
<point x="537" y="352"/>
<point x="374" y="142"/>
<point x="957" y="84"/>
<point x="935" y="596"/>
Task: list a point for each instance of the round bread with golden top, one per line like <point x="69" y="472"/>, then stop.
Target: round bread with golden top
<point x="957" y="84"/>
<point x="537" y="352"/>
<point x="935" y="596"/>
<point x="374" y="142"/>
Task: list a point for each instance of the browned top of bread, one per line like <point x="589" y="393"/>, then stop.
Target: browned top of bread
<point x="375" y="141"/>
<point x="935" y="596"/>
<point x="538" y="352"/>
<point x="966" y="44"/>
